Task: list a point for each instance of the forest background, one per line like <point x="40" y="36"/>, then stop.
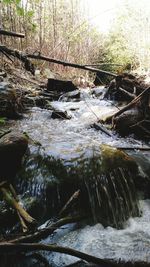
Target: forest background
<point x="64" y="29"/>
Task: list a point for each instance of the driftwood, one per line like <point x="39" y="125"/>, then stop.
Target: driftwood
<point x="44" y="233"/>
<point x="130" y="105"/>
<point x="11" y="198"/>
<point x="9" y="33"/>
<point x="68" y="64"/>
<point x="101" y="128"/>
<point x="72" y="200"/>
<point x="6" y="247"/>
<point x="15" y="53"/>
<point x="126" y="93"/>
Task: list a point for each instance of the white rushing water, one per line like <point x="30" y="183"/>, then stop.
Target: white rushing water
<point x="68" y="139"/>
<point x="129" y="244"/>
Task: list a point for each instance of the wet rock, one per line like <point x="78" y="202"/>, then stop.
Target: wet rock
<point x="12" y="149"/>
<point x="57" y="114"/>
<point x="60" y="85"/>
<point x="125" y="122"/>
<point x="70" y="96"/>
<point x="105" y="177"/>
<point x="99" y="92"/>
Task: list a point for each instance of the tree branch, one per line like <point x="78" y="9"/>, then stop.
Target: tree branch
<point x="15" y="53"/>
<point x="43" y="233"/>
<point x="128" y="106"/>
<point x="68" y="64"/>
<point x="6" y="247"/>
<point x="14" y="34"/>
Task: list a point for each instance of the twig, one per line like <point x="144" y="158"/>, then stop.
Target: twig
<point x="70" y="202"/>
<point x="6" y="132"/>
<point x="132" y="96"/>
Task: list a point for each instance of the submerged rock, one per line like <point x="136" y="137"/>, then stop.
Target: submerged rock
<point x="12" y="149"/>
<point x="71" y="96"/>
<point x="58" y="114"/>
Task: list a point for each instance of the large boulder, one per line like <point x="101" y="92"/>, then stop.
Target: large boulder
<point x="60" y="85"/>
<point x="12" y="149"/>
<point x="105" y="177"/>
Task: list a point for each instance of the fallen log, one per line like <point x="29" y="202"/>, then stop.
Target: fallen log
<point x="15" y="53"/>
<point x="10" y="33"/>
<point x="6" y="247"/>
<point x="68" y="64"/>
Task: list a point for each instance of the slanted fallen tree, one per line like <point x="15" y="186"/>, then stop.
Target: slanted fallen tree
<point x="19" y="55"/>
<point x="30" y="67"/>
<point x="68" y="64"/>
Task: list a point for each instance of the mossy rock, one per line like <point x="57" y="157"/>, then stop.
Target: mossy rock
<point x="113" y="158"/>
<point x="98" y="172"/>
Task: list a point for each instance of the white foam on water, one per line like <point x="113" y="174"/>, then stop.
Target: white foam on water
<point x="129" y="244"/>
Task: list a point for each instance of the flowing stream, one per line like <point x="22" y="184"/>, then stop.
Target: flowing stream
<point x="62" y="146"/>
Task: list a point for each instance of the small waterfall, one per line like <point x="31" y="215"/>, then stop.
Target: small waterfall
<point x="107" y="186"/>
<point x="112" y="197"/>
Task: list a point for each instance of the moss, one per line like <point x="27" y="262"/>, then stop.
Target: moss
<point x="113" y="158"/>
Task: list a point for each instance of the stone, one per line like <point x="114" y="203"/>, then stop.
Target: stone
<point x="60" y="85"/>
<point x="57" y="114"/>
<point x="12" y="150"/>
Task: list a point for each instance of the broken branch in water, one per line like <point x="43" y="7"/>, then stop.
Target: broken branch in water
<point x="6" y="247"/>
<point x="128" y="106"/>
<point x="9" y="196"/>
<point x="72" y="200"/>
<point x="43" y="233"/>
